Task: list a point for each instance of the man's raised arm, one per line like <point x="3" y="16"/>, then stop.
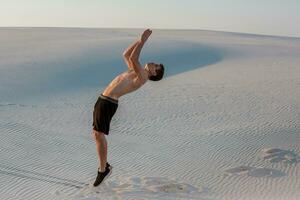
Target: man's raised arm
<point x="128" y="51"/>
<point x="134" y="57"/>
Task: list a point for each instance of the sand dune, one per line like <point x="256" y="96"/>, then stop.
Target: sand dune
<point x="223" y="124"/>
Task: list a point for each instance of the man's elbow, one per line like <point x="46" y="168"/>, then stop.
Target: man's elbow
<point x="126" y="55"/>
<point x="133" y="59"/>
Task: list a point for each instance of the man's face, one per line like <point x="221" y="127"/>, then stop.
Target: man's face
<point x="152" y="68"/>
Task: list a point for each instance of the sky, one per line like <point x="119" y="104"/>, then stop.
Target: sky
<point x="270" y="17"/>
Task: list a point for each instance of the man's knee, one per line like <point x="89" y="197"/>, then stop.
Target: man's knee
<point x="98" y="135"/>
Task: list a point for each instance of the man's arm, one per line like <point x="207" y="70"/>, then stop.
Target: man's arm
<point x="129" y="50"/>
<point x="134" y="57"/>
<point x="127" y="53"/>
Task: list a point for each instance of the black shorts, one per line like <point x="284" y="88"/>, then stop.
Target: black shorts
<point x="104" y="110"/>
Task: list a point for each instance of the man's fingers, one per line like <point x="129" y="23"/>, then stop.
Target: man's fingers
<point x="146" y="34"/>
<point x="148" y="30"/>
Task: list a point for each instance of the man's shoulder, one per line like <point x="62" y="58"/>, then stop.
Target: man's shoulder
<point x="141" y="77"/>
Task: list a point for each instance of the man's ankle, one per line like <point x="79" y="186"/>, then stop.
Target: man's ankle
<point x="101" y="170"/>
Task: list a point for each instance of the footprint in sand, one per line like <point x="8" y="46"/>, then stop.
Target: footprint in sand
<point x="255" y="172"/>
<point x="241" y="170"/>
<point x="146" y="187"/>
<point x="275" y="155"/>
<point x="154" y="185"/>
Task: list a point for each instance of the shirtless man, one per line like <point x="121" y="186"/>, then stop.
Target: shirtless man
<point x="107" y="102"/>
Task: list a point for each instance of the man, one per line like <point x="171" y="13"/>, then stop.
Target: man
<point x="107" y="102"/>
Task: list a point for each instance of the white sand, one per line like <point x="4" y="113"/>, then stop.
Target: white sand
<point x="223" y="124"/>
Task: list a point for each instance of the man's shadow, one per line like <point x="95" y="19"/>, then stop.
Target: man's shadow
<point x="32" y="175"/>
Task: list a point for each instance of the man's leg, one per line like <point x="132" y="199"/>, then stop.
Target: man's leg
<point x="101" y="146"/>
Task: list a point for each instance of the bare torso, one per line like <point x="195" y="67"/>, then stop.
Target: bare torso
<point x="124" y="83"/>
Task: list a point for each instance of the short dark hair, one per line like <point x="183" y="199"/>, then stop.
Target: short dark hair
<point x="159" y="73"/>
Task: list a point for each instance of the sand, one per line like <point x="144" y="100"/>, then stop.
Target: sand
<point x="223" y="124"/>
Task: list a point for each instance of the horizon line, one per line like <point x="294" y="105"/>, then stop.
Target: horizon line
<point x="170" y="29"/>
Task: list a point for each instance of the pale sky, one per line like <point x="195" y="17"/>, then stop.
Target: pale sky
<point x="271" y="17"/>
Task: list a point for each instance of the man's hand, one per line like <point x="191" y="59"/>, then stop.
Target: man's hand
<point x="146" y="35"/>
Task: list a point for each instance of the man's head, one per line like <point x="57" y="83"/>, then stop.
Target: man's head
<point x="155" y="71"/>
